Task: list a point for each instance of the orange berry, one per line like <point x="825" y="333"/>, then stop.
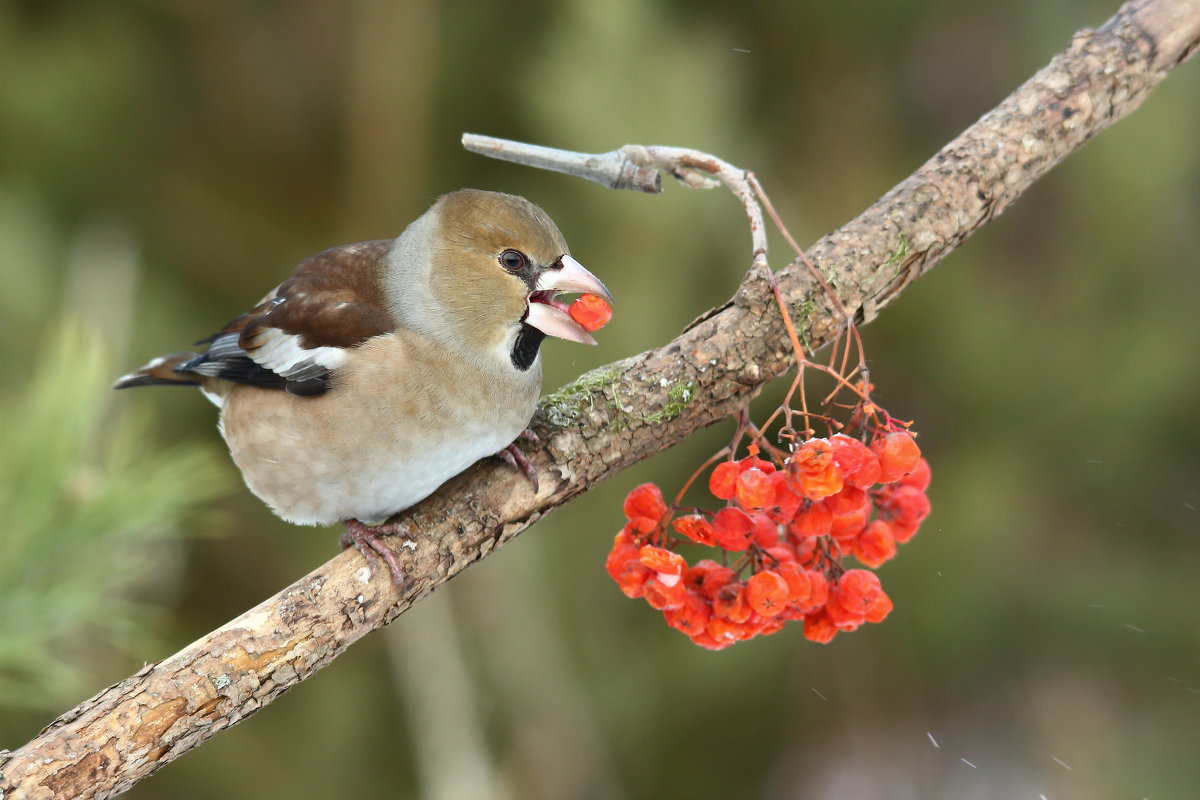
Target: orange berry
<point x="876" y="545"/>
<point x="766" y="532"/>
<point x="807" y="589"/>
<point x="906" y="508"/>
<point x="723" y="481"/>
<point x="807" y="554"/>
<point x="733" y="529"/>
<point x="705" y="639"/>
<point x="771" y="625"/>
<point x="691" y="616"/>
<point x="880" y="608"/>
<point x="696" y="528"/>
<point x="668" y="565"/>
<point x="786" y="502"/>
<point x="796" y="578"/>
<point x="767" y="592"/>
<point x="590" y="311"/>
<point x="754" y="490"/>
<point x="779" y="554"/>
<point x="819" y="627"/>
<point x="851" y="507"/>
<point x="708" y="577"/>
<point x="725" y="631"/>
<point x="816" y="520"/>
<point x="855" y="460"/>
<point x="919" y="477"/>
<point x="853" y="595"/>
<point x="644" y="505"/>
<point x="661" y="596"/>
<point x="752" y="461"/>
<point x="730" y="603"/>
<point x="632" y="577"/>
<point x="818" y="474"/>
<point x="820" y="587"/>
<point x="898" y="454"/>
<point x="618" y="556"/>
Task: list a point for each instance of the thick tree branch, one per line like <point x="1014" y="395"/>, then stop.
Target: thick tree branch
<point x="613" y="417"/>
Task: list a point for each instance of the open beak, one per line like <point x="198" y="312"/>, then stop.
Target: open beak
<point x="550" y="316"/>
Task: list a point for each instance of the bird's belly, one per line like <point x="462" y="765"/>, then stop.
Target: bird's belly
<point x="315" y="463"/>
<point x="410" y="470"/>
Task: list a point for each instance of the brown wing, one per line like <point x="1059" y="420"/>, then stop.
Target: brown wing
<point x="296" y="337"/>
<point x="332" y="299"/>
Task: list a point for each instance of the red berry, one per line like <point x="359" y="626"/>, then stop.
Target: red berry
<point x="819" y="627"/>
<point x="754" y="490"/>
<point x="855" y="593"/>
<point x="590" y="311"/>
<point x="819" y="594"/>
<point x="696" y="528"/>
<point x="851" y="507"/>
<point x="796" y="578"/>
<point x="766" y="532"/>
<point x="767" y="592"/>
<point x="816" y="520"/>
<point x="876" y="544"/>
<point x="754" y="462"/>
<point x="919" y="477"/>
<point x="725" y="631"/>
<point x="632" y="576"/>
<point x="617" y="558"/>
<point x="906" y="507"/>
<point x="880" y="608"/>
<point x="645" y="502"/>
<point x="668" y="565"/>
<point x="730" y="603"/>
<point x="786" y="502"/>
<point x="661" y="596"/>
<point x="855" y="460"/>
<point x="691" y="616"/>
<point x="704" y="639"/>
<point x="898" y="454"/>
<point x="814" y="465"/>
<point x="708" y="577"/>
<point x="733" y="529"/>
<point x="723" y="481"/>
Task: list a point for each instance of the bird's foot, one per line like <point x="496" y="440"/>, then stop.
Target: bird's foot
<point x="513" y="456"/>
<point x="366" y="538"/>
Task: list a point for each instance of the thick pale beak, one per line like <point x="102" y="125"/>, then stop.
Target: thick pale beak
<point x="550" y="316"/>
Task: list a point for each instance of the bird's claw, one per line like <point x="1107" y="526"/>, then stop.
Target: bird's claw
<point x="513" y="456"/>
<point x="365" y="539"/>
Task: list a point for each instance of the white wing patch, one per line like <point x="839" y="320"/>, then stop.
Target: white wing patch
<point x="282" y="354"/>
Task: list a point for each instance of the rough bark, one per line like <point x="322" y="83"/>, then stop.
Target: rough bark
<point x="612" y="418"/>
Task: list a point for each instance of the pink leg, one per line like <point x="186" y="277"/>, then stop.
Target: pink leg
<point x="513" y="456"/>
<point x="366" y="539"/>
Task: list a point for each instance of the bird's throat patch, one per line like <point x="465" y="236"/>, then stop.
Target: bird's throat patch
<point x="525" y="348"/>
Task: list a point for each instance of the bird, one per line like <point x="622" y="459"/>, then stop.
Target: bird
<point x="379" y="370"/>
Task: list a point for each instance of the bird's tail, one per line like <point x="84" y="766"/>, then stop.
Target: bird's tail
<point x="162" y="371"/>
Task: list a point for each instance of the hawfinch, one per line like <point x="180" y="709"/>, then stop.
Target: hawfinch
<point x="379" y="370"/>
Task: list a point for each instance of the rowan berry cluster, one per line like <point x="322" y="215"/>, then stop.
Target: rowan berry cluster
<point x="789" y="522"/>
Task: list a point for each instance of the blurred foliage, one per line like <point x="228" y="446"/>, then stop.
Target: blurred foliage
<point x="92" y="509"/>
<point x="1045" y="617"/>
<point x="94" y="501"/>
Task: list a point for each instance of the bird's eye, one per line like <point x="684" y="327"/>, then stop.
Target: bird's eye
<point x="512" y="260"/>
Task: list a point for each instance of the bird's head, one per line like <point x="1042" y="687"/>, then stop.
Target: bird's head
<point x="482" y="271"/>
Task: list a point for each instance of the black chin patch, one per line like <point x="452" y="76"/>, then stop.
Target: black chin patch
<point x="525" y="348"/>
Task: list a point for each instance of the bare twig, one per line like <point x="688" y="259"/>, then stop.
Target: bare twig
<point x="129" y="730"/>
<point x="636" y="166"/>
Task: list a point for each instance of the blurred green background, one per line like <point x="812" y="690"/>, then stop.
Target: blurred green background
<point x="162" y="164"/>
